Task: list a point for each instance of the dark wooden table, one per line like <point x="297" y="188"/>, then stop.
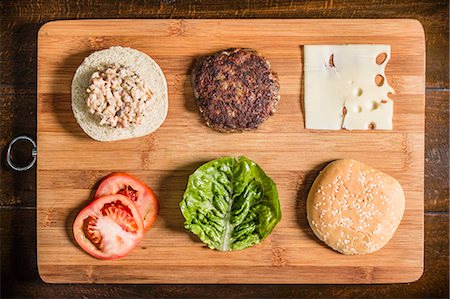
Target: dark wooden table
<point x="20" y="21"/>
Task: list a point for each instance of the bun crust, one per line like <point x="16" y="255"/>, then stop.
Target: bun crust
<point x="146" y="68"/>
<point x="354" y="208"/>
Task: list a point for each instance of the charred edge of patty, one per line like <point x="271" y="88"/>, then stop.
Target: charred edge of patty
<point x="217" y="113"/>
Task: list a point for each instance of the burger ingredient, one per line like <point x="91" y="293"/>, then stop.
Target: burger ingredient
<point x="139" y="193"/>
<point x="110" y="98"/>
<point x="109" y="227"/>
<point x="345" y="87"/>
<point x="118" y="96"/>
<point x="235" y="89"/>
<point x="230" y="204"/>
<point x="354" y="208"/>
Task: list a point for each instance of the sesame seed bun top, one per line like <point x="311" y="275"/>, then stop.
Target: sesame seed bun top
<point x="354" y="208"/>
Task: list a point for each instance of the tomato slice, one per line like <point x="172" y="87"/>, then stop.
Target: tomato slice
<point x="142" y="195"/>
<point x="109" y="227"/>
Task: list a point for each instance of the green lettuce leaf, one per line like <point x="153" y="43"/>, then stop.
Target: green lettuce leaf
<point x="230" y="204"/>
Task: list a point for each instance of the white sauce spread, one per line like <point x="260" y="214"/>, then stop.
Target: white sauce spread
<point x="118" y="96"/>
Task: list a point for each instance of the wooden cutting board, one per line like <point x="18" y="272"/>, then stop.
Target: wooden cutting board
<point x="70" y="163"/>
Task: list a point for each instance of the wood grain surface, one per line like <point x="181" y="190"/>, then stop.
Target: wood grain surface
<point x="70" y="163"/>
<point x="20" y="21"/>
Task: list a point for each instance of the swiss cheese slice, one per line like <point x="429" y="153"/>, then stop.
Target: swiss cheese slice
<point x="341" y="88"/>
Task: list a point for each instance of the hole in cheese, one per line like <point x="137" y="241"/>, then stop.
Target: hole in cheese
<point x="375" y="105"/>
<point x="371" y="126"/>
<point x="357" y="109"/>
<point x="357" y="92"/>
<point x="331" y="61"/>
<point x="381" y="58"/>
<point x="379" y="80"/>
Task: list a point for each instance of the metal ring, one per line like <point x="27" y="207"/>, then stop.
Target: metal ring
<point x="33" y="153"/>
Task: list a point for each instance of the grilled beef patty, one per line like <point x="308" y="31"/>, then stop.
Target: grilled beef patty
<point x="235" y="89"/>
